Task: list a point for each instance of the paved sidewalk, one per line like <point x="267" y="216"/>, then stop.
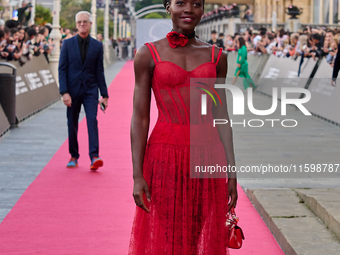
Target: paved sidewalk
<point x="312" y="141"/>
<point x="304" y="221"/>
<point x="26" y="150"/>
<point x="301" y="210"/>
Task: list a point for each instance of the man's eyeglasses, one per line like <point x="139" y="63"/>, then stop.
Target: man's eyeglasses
<point x="82" y="21"/>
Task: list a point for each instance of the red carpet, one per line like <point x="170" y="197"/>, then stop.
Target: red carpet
<point x="77" y="211"/>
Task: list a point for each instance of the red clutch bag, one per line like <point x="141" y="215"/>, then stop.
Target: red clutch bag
<point x="235" y="232"/>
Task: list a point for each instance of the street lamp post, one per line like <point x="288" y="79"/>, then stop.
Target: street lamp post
<point x="127" y="29"/>
<point x="56" y="36"/>
<point x="132" y="27"/>
<point x="120" y="16"/>
<point x="33" y="12"/>
<point x="106" y="31"/>
<point x="339" y="13"/>
<point x="94" y="18"/>
<point x="115" y="21"/>
<point x="106" y="22"/>
<point x="124" y="29"/>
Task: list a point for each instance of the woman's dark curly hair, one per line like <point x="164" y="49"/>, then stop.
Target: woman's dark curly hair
<point x="165" y="2"/>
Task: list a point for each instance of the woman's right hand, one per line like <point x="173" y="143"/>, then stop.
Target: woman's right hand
<point x="140" y="186"/>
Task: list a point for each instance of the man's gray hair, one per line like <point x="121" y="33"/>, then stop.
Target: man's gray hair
<point x="84" y="12"/>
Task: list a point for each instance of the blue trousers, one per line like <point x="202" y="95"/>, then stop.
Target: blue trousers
<point x="90" y="103"/>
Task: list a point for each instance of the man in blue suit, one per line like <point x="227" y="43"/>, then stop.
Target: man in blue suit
<point x="81" y="74"/>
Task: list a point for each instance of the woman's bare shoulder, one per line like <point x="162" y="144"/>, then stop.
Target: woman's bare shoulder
<point x="161" y="42"/>
<point x="143" y="52"/>
<point x="143" y="57"/>
<point x="202" y="43"/>
<point x="208" y="47"/>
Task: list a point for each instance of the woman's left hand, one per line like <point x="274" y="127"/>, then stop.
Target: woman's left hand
<point x="238" y="65"/>
<point x="232" y="193"/>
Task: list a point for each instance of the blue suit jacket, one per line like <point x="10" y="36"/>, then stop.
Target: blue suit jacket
<point x="73" y="73"/>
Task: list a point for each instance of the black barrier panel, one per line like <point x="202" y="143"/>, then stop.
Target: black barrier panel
<point x="260" y="63"/>
<point x="7" y="92"/>
<point x="283" y="72"/>
<point x="325" y="98"/>
<point x="4" y="125"/>
<point x="36" y="87"/>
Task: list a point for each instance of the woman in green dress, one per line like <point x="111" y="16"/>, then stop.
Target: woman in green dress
<point x="242" y="65"/>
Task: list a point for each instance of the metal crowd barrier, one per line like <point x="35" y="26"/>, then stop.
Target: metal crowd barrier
<point x="325" y="98"/>
<point x="29" y="91"/>
<point x="255" y="66"/>
<point x="269" y="71"/>
<point x="283" y="72"/>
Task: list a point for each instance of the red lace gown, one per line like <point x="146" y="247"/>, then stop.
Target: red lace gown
<point x="187" y="215"/>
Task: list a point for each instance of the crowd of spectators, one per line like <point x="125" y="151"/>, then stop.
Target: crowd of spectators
<point x="20" y="43"/>
<point x="310" y="42"/>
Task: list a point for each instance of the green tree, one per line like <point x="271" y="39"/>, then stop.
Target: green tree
<point x="86" y="5"/>
<point x="154" y="15"/>
<point x="42" y="15"/>
<point x="63" y="22"/>
<point x="100" y="23"/>
<point x="69" y="9"/>
<point x="144" y="3"/>
<point x="100" y="26"/>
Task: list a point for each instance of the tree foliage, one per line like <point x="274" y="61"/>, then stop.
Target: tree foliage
<point x="42" y="15"/>
<point x="100" y="23"/>
<point x="69" y="9"/>
<point x="145" y="3"/>
<point x="154" y="15"/>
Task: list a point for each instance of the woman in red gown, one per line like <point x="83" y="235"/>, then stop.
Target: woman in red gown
<point x="177" y="214"/>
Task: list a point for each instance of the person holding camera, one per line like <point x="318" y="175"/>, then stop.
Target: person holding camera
<point x="215" y="41"/>
<point x="12" y="46"/>
<point x="23" y="18"/>
<point x="248" y="15"/>
<point x="336" y="67"/>
<point x="317" y="46"/>
<point x="30" y="43"/>
<point x="45" y="45"/>
<point x="3" y="44"/>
